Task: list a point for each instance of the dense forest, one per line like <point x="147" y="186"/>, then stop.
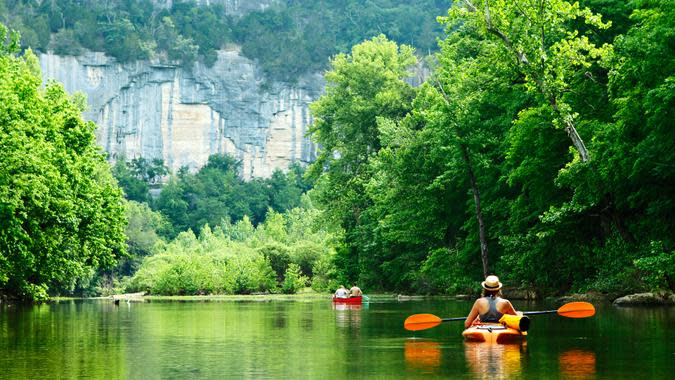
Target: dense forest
<point x="539" y="148"/>
<point x="288" y="40"/>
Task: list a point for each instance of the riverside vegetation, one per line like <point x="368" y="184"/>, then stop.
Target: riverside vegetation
<point x="539" y="148"/>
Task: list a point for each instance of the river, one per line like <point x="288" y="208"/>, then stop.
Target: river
<point x="94" y="339"/>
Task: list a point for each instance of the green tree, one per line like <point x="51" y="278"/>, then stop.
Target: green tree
<point x="284" y="191"/>
<point x="125" y="42"/>
<point x="217" y="194"/>
<point x="361" y="87"/>
<point x="134" y="188"/>
<point x="638" y="162"/>
<point x="143" y="233"/>
<point x="433" y="162"/>
<point x="538" y="40"/>
<point x="324" y="278"/>
<point x="278" y="256"/>
<point x="65" y="43"/>
<point x="293" y="280"/>
<point x="149" y="171"/>
<point x="61" y="212"/>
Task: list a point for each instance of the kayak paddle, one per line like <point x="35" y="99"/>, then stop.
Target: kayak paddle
<point x="426" y="321"/>
<point x="569" y="310"/>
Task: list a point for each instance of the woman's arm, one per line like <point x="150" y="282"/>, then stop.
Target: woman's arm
<point x="473" y="314"/>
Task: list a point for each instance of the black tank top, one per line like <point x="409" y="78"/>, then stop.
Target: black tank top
<point x="492" y="315"/>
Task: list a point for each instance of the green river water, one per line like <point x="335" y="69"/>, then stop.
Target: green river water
<point x="94" y="339"/>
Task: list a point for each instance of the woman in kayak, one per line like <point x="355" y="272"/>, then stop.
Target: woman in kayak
<point x="490" y="307"/>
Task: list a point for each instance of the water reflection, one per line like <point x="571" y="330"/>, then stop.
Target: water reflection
<point x="424" y="355"/>
<point x="347" y="315"/>
<point x="495" y="361"/>
<point x="307" y="324"/>
<point x="312" y="340"/>
<point x="577" y="364"/>
<point x="279" y="321"/>
<point x="344" y="306"/>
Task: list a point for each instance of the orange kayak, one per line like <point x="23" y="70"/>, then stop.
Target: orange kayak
<point x="493" y="333"/>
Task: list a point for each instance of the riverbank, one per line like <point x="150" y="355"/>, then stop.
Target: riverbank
<point x="639" y="299"/>
<point x="659" y="298"/>
<point x="308" y="295"/>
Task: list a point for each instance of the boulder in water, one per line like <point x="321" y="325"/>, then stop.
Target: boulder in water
<point x="656" y="298"/>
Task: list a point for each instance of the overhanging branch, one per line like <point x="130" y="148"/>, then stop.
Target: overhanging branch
<point x="520" y="55"/>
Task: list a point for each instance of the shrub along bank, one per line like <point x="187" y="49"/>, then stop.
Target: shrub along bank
<point x="284" y="254"/>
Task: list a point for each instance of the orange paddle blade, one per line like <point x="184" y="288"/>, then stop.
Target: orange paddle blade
<point x="421" y="322"/>
<point x="577" y="310"/>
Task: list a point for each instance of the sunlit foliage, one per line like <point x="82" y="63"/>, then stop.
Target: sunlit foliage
<point x="61" y="212"/>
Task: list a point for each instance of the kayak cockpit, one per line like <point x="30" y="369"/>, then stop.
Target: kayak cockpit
<point x="493" y="333"/>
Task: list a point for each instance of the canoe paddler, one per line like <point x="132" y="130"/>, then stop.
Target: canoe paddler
<point x="355" y="291"/>
<point x="490" y="307"/>
<point x="342" y="292"/>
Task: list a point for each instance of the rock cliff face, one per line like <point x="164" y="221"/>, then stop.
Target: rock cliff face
<point x="183" y="116"/>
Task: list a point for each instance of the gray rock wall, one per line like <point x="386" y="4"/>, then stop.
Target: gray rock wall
<point x="183" y="116"/>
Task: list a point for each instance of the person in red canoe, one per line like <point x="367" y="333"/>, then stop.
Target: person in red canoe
<point x="355" y="291"/>
<point x="342" y="292"/>
<point x="490" y="307"/>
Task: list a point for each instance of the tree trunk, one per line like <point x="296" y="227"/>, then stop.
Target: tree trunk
<point x="474" y="189"/>
<point x="479" y="213"/>
<point x="576" y="140"/>
<point x="568" y="120"/>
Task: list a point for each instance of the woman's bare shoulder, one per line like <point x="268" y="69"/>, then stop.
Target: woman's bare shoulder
<point x="480" y="301"/>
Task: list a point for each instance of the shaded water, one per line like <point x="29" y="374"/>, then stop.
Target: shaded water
<point x="296" y="340"/>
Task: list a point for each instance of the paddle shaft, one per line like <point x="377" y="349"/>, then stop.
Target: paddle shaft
<point x="540" y="312"/>
<point x="524" y="313"/>
<point x="453" y="319"/>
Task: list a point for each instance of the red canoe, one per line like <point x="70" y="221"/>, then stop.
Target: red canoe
<point x="350" y="300"/>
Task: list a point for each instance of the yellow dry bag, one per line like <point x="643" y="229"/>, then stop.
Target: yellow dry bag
<point x="518" y="322"/>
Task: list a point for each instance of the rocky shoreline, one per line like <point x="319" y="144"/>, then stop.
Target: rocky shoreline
<point x="659" y="298"/>
<point x="651" y="299"/>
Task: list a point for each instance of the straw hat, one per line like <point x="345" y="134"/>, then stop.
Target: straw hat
<point x="491" y="283"/>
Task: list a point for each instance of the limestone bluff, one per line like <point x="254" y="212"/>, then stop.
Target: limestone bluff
<point x="153" y="110"/>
